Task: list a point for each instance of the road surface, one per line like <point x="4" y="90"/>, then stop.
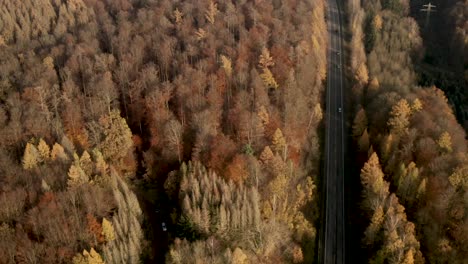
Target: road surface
<point x="332" y="242"/>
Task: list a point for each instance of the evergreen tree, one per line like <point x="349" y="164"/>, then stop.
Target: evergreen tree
<point x="31" y="157"/>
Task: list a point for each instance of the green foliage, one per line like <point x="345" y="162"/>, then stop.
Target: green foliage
<point x="248" y="150"/>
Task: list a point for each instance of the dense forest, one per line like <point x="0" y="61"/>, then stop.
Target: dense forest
<point x="412" y="151"/>
<point x="216" y="103"/>
<point x="445" y="61"/>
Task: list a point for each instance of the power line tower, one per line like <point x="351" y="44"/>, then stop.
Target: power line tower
<point x="428" y="9"/>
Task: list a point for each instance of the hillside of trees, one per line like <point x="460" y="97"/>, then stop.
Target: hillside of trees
<point x="217" y="103"/>
<point x="412" y="150"/>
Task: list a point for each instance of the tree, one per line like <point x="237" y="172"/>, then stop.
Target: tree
<point x="238" y="257"/>
<point x="227" y="65"/>
<point x="364" y="142"/>
<point x="91" y="257"/>
<point x="445" y="142"/>
<point x="399" y="117"/>
<point x="76" y="176"/>
<point x="360" y="123"/>
<point x="377" y="22"/>
<point x="44" y="150"/>
<point x="211" y="12"/>
<point x="268" y="79"/>
<point x="86" y="163"/>
<point x="178" y="16"/>
<point x="117" y="140"/>
<point x="267" y="155"/>
<point x="58" y="153"/>
<point x="31" y="157"/>
<point x="174" y="132"/>
<point x="265" y="59"/>
<point x="101" y="165"/>
<point x="107" y="230"/>
<point x="372" y="178"/>
<point x="279" y="143"/>
<point x="417" y="105"/>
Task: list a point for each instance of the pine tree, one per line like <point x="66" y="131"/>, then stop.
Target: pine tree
<point x="417" y="105"/>
<point x="178" y="16"/>
<point x="278" y="141"/>
<point x="201" y="34"/>
<point x="399" y="117"/>
<point x="375" y="226"/>
<point x="58" y="153"/>
<point x="91" y="257"/>
<point x="211" y="12"/>
<point x="85" y="163"/>
<point x="31" y="157"/>
<point x="227" y="65"/>
<point x="44" y="150"/>
<point x="107" y="230"/>
<point x="267" y="155"/>
<point x="265" y="59"/>
<point x="268" y="79"/>
<point x="76" y="176"/>
<point x="372" y="179"/>
<point x="101" y="165"/>
<point x="445" y="142"/>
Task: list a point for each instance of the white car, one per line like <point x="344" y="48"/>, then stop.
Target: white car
<point x="163" y="225"/>
<point x="339" y="109"/>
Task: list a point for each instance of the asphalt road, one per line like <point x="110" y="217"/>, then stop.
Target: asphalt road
<point x="332" y="242"/>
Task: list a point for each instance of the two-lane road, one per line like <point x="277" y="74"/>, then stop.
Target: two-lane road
<point x="332" y="238"/>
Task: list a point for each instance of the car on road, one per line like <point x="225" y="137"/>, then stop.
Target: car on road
<point x="338" y="66"/>
<point x="339" y="109"/>
<point x="337" y="53"/>
<point x="164" y="227"/>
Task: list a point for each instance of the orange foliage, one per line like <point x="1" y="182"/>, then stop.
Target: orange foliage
<point x="94" y="228"/>
<point x="237" y="169"/>
<point x="222" y="150"/>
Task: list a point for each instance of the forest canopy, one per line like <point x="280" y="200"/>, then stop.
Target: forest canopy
<point x="100" y="99"/>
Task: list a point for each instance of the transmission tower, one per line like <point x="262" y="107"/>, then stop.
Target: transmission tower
<point x="428" y="9"/>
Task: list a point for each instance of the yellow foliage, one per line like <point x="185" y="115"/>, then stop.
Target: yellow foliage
<point x="58" y="152"/>
<point x="76" y="176"/>
<point x="200" y="33"/>
<point x="44" y="150"/>
<point x="108" y="230"/>
<point x="211" y="12"/>
<point x="227" y="65"/>
<point x="362" y="75"/>
<point x="377" y="22"/>
<point x="178" y="16"/>
<point x="91" y="257"/>
<point x="268" y="78"/>
<point x="399" y="116"/>
<point x="265" y="60"/>
<point x="417" y="105"/>
<point x="267" y="155"/>
<point x="445" y="142"/>
<point x="239" y="257"/>
<point x="263" y="115"/>
<point x="279" y="143"/>
<point x="460" y="177"/>
<point x="48" y="62"/>
<point x="30" y="157"/>
<point x="85" y="163"/>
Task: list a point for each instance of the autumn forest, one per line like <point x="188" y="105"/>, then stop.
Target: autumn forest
<point x="177" y="131"/>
